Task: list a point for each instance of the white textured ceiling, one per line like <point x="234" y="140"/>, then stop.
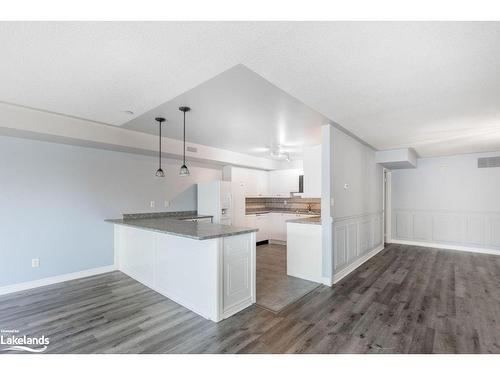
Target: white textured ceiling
<point x="431" y="86"/>
<point x="238" y="110"/>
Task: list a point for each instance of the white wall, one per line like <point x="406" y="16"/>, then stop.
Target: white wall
<point x="358" y="201"/>
<point x="54" y="198"/>
<point x="448" y="201"/>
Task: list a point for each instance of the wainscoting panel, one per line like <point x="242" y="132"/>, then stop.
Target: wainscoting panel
<point x="341" y="245"/>
<point x="422" y="227"/>
<point x="472" y="229"/>
<point x="356" y="236"/>
<point x="495" y="231"/>
<point x="352" y="241"/>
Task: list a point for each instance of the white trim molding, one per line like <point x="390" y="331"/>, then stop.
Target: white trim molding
<point x="358" y="262"/>
<point x="447" y="247"/>
<point x="14" y="288"/>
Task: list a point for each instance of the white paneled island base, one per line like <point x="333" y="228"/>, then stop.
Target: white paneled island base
<point x="215" y="277"/>
<point x="304" y="252"/>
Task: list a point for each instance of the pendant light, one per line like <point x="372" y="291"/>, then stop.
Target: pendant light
<point x="159" y="172"/>
<point x="184" y="171"/>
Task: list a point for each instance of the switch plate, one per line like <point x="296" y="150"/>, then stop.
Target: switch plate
<point x="166" y="204"/>
<point x="152" y="204"/>
<point x="35" y="263"/>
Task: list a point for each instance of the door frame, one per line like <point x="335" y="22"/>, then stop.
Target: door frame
<point x="387" y="206"/>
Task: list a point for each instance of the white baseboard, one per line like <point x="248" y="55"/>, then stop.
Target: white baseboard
<point x="54" y="279"/>
<point x="277" y="242"/>
<point x="448" y="247"/>
<point x="358" y="262"/>
<point x="327" y="281"/>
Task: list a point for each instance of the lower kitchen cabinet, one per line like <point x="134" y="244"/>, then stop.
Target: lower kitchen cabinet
<point x="262" y="222"/>
<point x="272" y="226"/>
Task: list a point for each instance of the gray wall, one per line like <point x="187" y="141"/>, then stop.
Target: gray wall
<point x="54" y="198"/>
<point x="357" y="209"/>
<point x="449" y="201"/>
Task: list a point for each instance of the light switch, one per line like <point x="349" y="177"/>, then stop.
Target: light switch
<point x="166" y="204"/>
<point x="35" y="263"/>
<point x="152" y="204"/>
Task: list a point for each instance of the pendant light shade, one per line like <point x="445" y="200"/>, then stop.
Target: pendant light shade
<point x="159" y="171"/>
<point x="184" y="171"/>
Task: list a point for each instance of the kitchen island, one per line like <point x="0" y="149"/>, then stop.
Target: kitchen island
<point x="207" y="268"/>
<point x="304" y="252"/>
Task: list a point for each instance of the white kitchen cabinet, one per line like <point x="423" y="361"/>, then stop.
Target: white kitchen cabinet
<point x="262" y="222"/>
<point x="272" y="226"/>
<point x="312" y="172"/>
<point x="282" y="182"/>
<point x="275" y="226"/>
<point x="254" y="182"/>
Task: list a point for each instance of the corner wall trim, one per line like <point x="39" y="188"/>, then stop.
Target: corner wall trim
<point x="447" y="247"/>
<point x="358" y="262"/>
<point x="13" y="288"/>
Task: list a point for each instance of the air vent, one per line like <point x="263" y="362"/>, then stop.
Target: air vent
<point x="488" y="162"/>
<point x="191" y="149"/>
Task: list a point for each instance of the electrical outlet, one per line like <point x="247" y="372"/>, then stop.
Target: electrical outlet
<point x="152" y="204"/>
<point x="35" y="263"/>
<point x="166" y="204"/>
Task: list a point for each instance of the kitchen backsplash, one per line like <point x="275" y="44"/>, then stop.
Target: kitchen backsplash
<point x="282" y="204"/>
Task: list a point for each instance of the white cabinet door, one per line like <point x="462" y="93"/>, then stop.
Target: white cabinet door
<point x="250" y="221"/>
<point x="274" y="226"/>
<point x="284" y="181"/>
<point x="262" y="223"/>
<point x="262" y="178"/>
<point x="254" y="182"/>
<point x="312" y="172"/>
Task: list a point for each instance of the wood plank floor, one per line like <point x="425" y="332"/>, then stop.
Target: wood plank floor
<point x="404" y="300"/>
<point x="275" y="289"/>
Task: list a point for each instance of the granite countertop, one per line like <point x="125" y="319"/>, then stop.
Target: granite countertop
<point x="176" y="215"/>
<point x="282" y="212"/>
<point x="315" y="220"/>
<point x="174" y="225"/>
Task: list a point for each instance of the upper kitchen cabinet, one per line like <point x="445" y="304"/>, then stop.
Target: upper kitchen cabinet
<point x="312" y="172"/>
<point x="282" y="182"/>
<point x="254" y="182"/>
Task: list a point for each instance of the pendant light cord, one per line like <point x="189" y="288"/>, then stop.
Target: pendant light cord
<point x="184" y="143"/>
<point x="159" y="142"/>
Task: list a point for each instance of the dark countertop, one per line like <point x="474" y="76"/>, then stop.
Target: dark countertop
<point x="315" y="220"/>
<point x="177" y="227"/>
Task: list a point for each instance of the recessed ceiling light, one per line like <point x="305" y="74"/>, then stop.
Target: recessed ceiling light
<point x="128" y="112"/>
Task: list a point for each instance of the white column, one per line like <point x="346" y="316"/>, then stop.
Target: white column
<point x="327" y="202"/>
